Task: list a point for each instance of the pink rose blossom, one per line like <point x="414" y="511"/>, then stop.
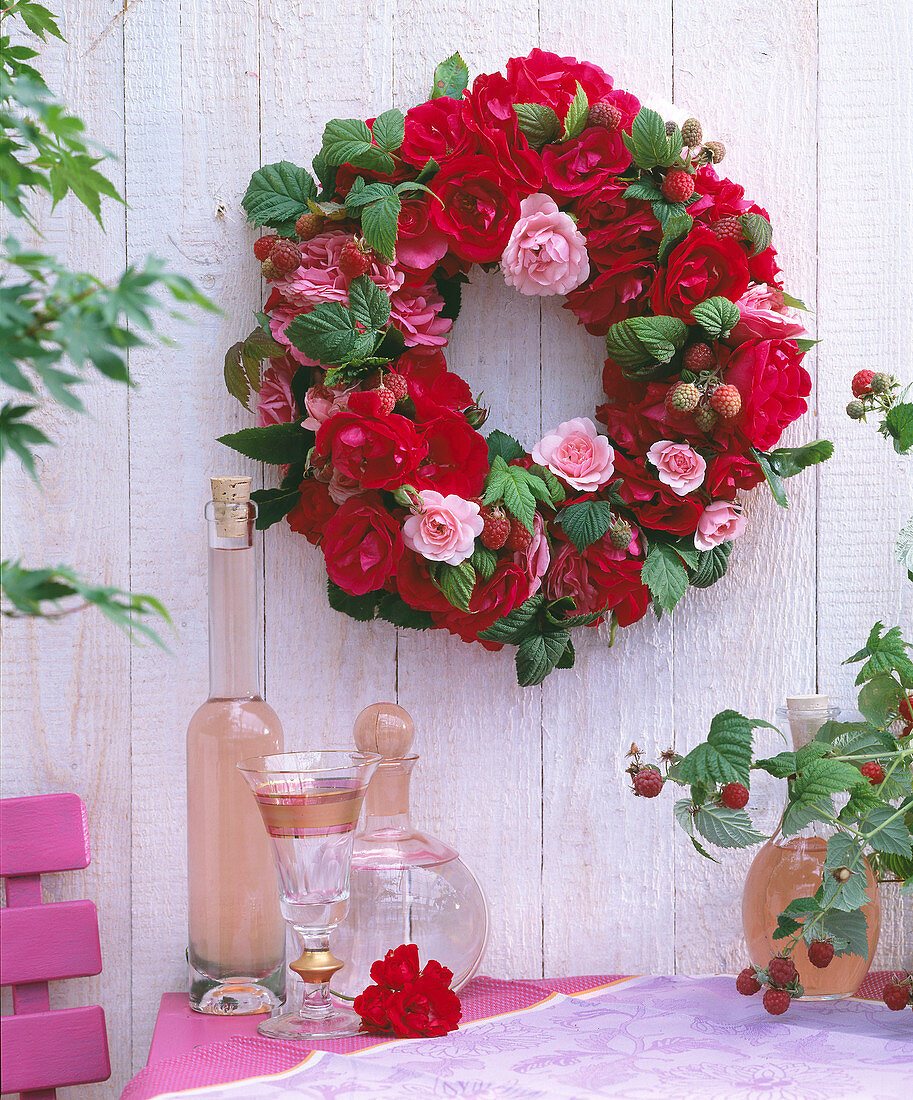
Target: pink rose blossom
<point x="322" y="402"/>
<point x="276" y="405"/>
<point x="341" y="488"/>
<point x="280" y="318"/>
<point x="417" y="315"/>
<point x="721" y="521"/>
<point x="535" y="558"/>
<point x="546" y="252"/>
<point x="763" y="316"/>
<point x="445" y="530"/>
<point x="319" y="278"/>
<point x="574" y="452"/>
<point x="678" y="466"/>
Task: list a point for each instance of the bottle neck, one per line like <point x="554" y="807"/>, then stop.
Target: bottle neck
<point x="233" y="627"/>
<point x="387" y="799"/>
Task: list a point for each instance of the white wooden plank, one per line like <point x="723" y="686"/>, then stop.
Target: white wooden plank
<point x="606" y="854"/>
<point x="865" y="320"/>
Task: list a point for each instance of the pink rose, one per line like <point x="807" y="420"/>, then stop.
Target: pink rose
<point x="417" y="314"/>
<point x="546" y="253"/>
<point x="677" y="465"/>
<point x="275" y="404"/>
<point x="319" y="278"/>
<point x="342" y="488"/>
<point x="763" y="316"/>
<point x="721" y="521"/>
<point x="322" y="402"/>
<point x="445" y="530"/>
<point x="574" y="452"/>
<point x="535" y="558"/>
<point x="419" y="243"/>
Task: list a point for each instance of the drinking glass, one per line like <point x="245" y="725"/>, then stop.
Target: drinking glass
<point x="310" y="803"/>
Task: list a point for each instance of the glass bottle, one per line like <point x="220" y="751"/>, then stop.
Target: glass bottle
<point x="236" y="932"/>
<point x="406" y="886"/>
<point x="788" y="867"/>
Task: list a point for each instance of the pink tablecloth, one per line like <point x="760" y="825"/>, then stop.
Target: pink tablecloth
<point x="246" y="1056"/>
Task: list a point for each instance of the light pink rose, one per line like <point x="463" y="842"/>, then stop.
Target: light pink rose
<point x="280" y="318"/>
<point x="721" y="521"/>
<point x="341" y="488"/>
<point x="417" y="315"/>
<point x="445" y="530"/>
<point x="275" y="404"/>
<point x="678" y="466"/>
<point x="546" y="252"/>
<point x="535" y="558"/>
<point x="763" y="316"/>
<point x="319" y="278"/>
<point x="322" y="402"/>
<point x="577" y="454"/>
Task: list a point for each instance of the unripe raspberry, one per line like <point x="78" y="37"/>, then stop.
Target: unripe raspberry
<point x="648" y="783"/>
<point x="671" y="127"/>
<point x="734" y="796"/>
<point x="705" y="418"/>
<point x="880" y="383"/>
<point x="747" y="982"/>
<point x="727" y="401"/>
<point x="620" y="533"/>
<point x="269" y="270"/>
<point x="285" y="256"/>
<point x="862" y="382"/>
<point x="714" y="151"/>
<point x="309" y="225"/>
<point x="682" y="398"/>
<point x="698" y="357"/>
<point x="678" y="185"/>
<point x="782" y="971"/>
<point x="263" y="246"/>
<point x="776" y="1001"/>
<point x="692" y="134"/>
<point x="855" y="410"/>
<point x="604" y="114"/>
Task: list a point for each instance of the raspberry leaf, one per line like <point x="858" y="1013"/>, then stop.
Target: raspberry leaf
<point x="484" y="561"/>
<point x="575" y="120"/>
<point x="780" y="766"/>
<point x="848" y="930"/>
<point x="348" y="141"/>
<point x="648" y="143"/>
<point x="389" y="130"/>
<point x="277" y="195"/>
<point x="275" y="504"/>
<point x="645" y="189"/>
<point x="711" y="565"/>
<point x="799" y="814"/>
<point x="328" y="334"/>
<point x="586" y="522"/>
<point x="675" y="230"/>
<point x="884" y="834"/>
<point x="456" y="582"/>
<point x="514" y="627"/>
<point x="758" y="230"/>
<point x="725" y="757"/>
<point x="538" y="654"/>
<point x="774" y="480"/>
<point x="555" y="488"/>
<point x="500" y="443"/>
<point x="823" y="777"/>
<point x="717" y="317"/>
<point x="665" y="575"/>
<point x="726" y="828"/>
<point x="394" y="609"/>
<point x="568" y="657"/>
<point x="842" y="851"/>
<point x="879" y="699"/>
<point x="789" y="461"/>
<point x="898" y="424"/>
<point x="450" y="78"/>
<point x="361" y="608"/>
<point x="379" y="224"/>
<point x="538" y="123"/>
<point x="887" y="653"/>
<point x="369" y="304"/>
<point x="277" y="444"/>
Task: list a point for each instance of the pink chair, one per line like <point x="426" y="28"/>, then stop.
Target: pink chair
<point x="43" y="1050"/>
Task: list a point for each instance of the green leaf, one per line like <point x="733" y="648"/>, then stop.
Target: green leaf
<point x="758" y="230"/>
<point x="683" y="815"/>
<point x="499" y="443"/>
<point x="643" y="188"/>
<point x="802" y="907"/>
<point x="898" y="424"/>
<point x="450" y="78"/>
<point x="855" y="738"/>
<point x="725" y="757"/>
<point x="348" y="141"/>
<point x="38" y="19"/>
<point x="275" y="504"/>
<point x="726" y="828"/>
<point x="885" y="835"/>
<point x="379" y="225"/>
<point x="19" y="436"/>
<point x="514" y="627"/>
<point x="711" y="565"/>
<point x="518" y="497"/>
<point x="781" y="766"/>
<point x="665" y="575"/>
<point x="786" y="926"/>
<point x="879" y="699"/>
<point x="568" y="657"/>
<point x="484" y="561"/>
<point x="538" y="123"/>
<point x="674" y="231"/>
<point x="717" y="317"/>
<point x="789" y="461"/>
<point x="538" y="654"/>
<point x="648" y="143"/>
<point x="586" y="522"/>
<point x="457" y="583"/>
<point x="773" y="478"/>
<point x="851" y="928"/>
<point x="278" y="444"/>
<point x="394" y="609"/>
<point x="799" y="814"/>
<point x="328" y="334"/>
<point x="885" y="654"/>
<point x="388" y="130"/>
<point x="641" y="341"/>
<point x="575" y="120"/>
<point x="361" y="608"/>
<point x="842" y="851"/>
<point x="794" y="303"/>
<point x="278" y="195"/>
<point x="369" y="304"/>
<point x="823" y="777"/>
<point x="554" y="486"/>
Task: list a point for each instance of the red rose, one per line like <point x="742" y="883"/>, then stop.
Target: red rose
<point x="457" y="459"/>
<point x="371" y="1006"/>
<point x="362" y="545"/>
<point x="627" y="103"/>
<point x="313" y="511"/>
<point x="631" y="238"/>
<point x="717" y="198"/>
<point x="727" y="474"/>
<point x="635" y="413"/>
<point x="476" y="212"/>
<point x="584" y="164"/>
<point x="700" y="267"/>
<point x="773" y="383"/>
<point x="547" y="78"/>
<point x="434" y="130"/>
<point x="654" y="504"/>
<point x="506" y="589"/>
<point x="423" y="1008"/>
<point x="377" y="453"/>
<point x="419" y="243"/>
<point x="398" y="967"/>
<point x="596" y="208"/>
<point x="599" y="578"/>
<point x="415" y="586"/>
<point x="612" y="295"/>
<point x="422" y="363"/>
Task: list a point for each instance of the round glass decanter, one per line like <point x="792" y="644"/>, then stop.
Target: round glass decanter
<point x="788" y="867"/>
<point x="406" y="886"/>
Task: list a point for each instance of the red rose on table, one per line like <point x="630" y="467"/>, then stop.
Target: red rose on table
<point x="362" y="545"/>
<point x="397" y="967"/>
<point x="314" y="510"/>
<point x="727" y="474"/>
<point x="434" y="131"/>
<point x="654" y="504"/>
<point x="547" y="78"/>
<point x="698" y="268"/>
<point x="423" y="1008"/>
<point x="773" y="384"/>
<point x="377" y="453"/>
<point x="476" y="211"/>
<point x="371" y="1006"/>
<point x="584" y="164"/>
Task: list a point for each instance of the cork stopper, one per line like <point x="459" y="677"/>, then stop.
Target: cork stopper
<point x="806" y="714"/>
<point x="231" y="496"/>
<point x="385" y="728"/>
<point x="805" y="703"/>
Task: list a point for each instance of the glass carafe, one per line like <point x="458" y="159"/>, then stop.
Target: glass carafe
<point x="788" y="867"/>
<point x="406" y="886"/>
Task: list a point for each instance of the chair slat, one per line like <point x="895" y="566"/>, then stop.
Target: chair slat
<point x="46" y="1050"/>
<point x="42" y="834"/>
<point x="44" y="943"/>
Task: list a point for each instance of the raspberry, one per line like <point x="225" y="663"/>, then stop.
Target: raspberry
<point x="727" y="401"/>
<point x="398" y="385"/>
<point x="648" y="783"/>
<point x="724" y="228"/>
<point x="820" y="953"/>
<point x="496" y="528"/>
<point x="895" y="996"/>
<point x="906" y="708"/>
<point x="519" y="538"/>
<point x="269" y="269"/>
<point x="620" y="533"/>
<point x="698" y="357"/>
<point x="285" y="256"/>
<point x="714" y="151"/>
<point x="782" y="971"/>
<point x="353" y="260"/>
<point x="692" y="135"/>
<point x="683" y="398"/>
<point x="873" y="771"/>
<point x="263" y="246"/>
<point x="855" y="410"/>
<point x="604" y="114"/>
<point x="678" y="185"/>
<point x="387" y="400"/>
<point x="862" y="382"/>
<point x="776" y="1001"/>
<point x="734" y="796"/>
<point x="705" y="418"/>
<point x="880" y="383"/>
<point x="308" y="225"/>
<point x="747" y="982"/>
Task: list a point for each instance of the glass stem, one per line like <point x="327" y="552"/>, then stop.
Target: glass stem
<point x="315" y="1001"/>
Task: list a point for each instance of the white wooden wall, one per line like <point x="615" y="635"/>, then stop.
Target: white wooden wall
<point x="814" y="101"/>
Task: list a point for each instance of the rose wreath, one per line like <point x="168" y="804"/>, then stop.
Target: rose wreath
<point x="574" y="189"/>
